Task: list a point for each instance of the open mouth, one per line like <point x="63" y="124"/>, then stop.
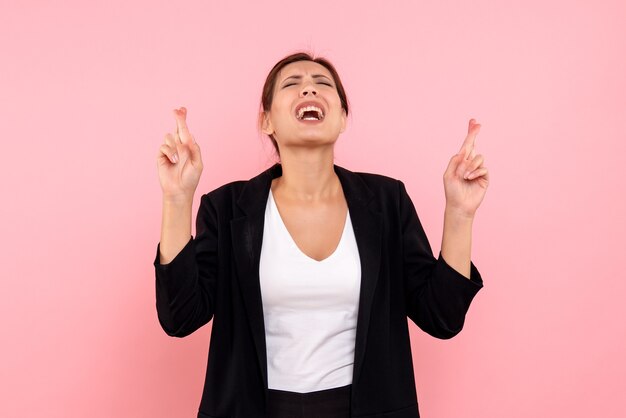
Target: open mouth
<point x="307" y="113"/>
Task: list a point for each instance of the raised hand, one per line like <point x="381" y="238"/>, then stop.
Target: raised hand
<point x="466" y="178"/>
<point x="179" y="161"/>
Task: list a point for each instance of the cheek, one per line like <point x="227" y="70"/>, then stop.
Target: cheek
<point x="338" y="111"/>
<point x="280" y="110"/>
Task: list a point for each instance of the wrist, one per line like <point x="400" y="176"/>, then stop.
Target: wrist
<point x="178" y="200"/>
<point x="458" y="214"/>
<point x="177" y="205"/>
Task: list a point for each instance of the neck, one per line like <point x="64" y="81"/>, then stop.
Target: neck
<point x="308" y="175"/>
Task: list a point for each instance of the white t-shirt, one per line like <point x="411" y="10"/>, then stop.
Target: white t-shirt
<point x="310" y="308"/>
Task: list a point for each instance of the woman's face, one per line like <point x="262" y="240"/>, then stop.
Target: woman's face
<point x="305" y="85"/>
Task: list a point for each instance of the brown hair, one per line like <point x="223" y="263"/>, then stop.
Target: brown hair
<point x="270" y="82"/>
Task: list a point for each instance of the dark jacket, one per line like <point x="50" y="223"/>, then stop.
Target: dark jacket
<point x="216" y="276"/>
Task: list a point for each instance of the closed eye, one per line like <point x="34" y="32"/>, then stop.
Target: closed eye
<point x="293" y="84"/>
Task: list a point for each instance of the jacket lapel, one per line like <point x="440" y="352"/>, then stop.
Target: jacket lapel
<point x="247" y="238"/>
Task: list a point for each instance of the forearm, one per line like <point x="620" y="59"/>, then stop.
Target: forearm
<point x="175" y="228"/>
<point x="456" y="243"/>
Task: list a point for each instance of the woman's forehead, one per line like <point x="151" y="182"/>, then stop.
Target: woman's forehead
<point x="303" y="68"/>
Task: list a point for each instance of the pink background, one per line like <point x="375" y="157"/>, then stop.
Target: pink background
<point x="86" y="94"/>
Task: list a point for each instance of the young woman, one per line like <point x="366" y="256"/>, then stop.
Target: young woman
<point x="309" y="270"/>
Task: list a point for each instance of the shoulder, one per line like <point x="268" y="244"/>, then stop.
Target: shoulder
<point x="227" y="192"/>
<point x="235" y="188"/>
<point x="377" y="180"/>
<point x="389" y="193"/>
<point x="230" y="187"/>
<point x="248" y="195"/>
<point x="380" y="185"/>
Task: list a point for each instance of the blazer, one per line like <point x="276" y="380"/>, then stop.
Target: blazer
<point x="216" y="277"/>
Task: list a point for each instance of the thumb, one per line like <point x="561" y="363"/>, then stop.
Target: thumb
<point x="460" y="157"/>
<point x="454" y="162"/>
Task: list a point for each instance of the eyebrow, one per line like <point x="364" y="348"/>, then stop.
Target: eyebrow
<point x="298" y="77"/>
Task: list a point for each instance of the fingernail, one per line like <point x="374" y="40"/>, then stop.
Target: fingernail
<point x="175" y="157"/>
<point x="466" y="174"/>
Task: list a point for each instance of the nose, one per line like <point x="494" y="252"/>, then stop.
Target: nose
<point x="308" y="90"/>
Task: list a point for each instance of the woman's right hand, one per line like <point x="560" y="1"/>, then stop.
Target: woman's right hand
<point x="179" y="161"/>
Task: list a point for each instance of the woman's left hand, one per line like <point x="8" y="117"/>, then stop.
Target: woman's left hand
<point x="466" y="178"/>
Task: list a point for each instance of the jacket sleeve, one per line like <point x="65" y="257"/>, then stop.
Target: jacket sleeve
<point x="437" y="296"/>
<point x="185" y="287"/>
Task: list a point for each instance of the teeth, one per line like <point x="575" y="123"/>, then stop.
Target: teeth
<point x="320" y="114"/>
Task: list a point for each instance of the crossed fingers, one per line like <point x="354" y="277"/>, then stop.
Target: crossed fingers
<point x="182" y="130"/>
<point x="474" y="162"/>
<point x="467" y="149"/>
<point x="181" y="136"/>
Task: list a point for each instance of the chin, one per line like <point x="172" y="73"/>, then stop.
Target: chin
<point x="317" y="138"/>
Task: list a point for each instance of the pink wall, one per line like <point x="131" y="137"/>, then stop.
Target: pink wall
<point x="86" y="93"/>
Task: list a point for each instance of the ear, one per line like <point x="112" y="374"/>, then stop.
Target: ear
<point x="344" y="119"/>
<point x="266" y="123"/>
